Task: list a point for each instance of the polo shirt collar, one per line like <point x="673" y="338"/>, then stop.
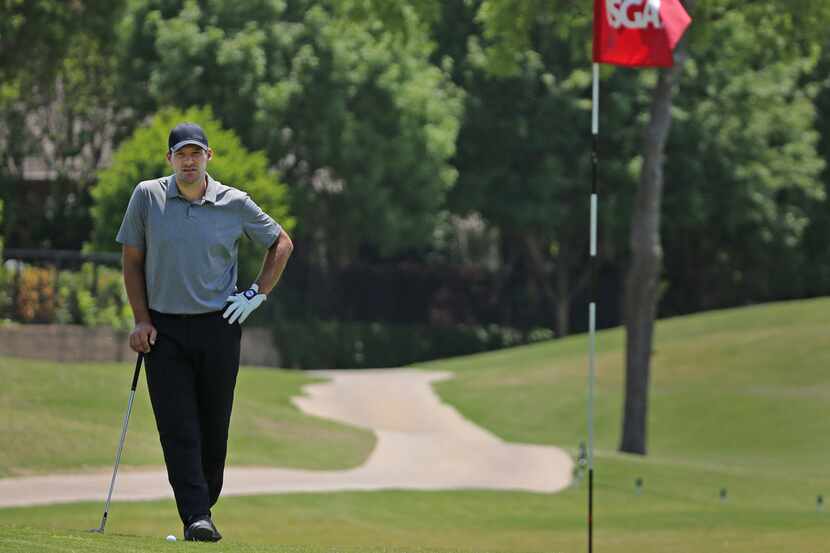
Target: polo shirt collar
<point x="172" y="189"/>
<point x="210" y="191"/>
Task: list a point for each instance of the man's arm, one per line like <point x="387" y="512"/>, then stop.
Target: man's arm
<point x="274" y="263"/>
<point x="144" y="334"/>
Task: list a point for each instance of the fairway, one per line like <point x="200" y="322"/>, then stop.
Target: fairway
<point x="739" y="401"/>
<point x="737" y="390"/>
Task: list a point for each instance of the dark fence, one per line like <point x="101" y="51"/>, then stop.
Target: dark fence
<point x="62" y="258"/>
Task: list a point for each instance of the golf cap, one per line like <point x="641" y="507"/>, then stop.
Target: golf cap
<point x="187" y="133"/>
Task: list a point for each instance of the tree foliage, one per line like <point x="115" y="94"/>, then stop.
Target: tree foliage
<point x="743" y="168"/>
<point x="816" y="246"/>
<point x="35" y="35"/>
<point x="524" y="156"/>
<point x="56" y="104"/>
<point x="360" y="123"/>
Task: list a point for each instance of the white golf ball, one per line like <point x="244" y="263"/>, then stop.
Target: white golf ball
<point x="171" y="537"/>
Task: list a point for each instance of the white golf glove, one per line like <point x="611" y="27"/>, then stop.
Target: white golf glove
<point x="243" y="304"/>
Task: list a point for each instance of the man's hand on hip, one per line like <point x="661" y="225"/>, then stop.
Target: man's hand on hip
<point x="243" y="304"/>
<point x="143" y="337"/>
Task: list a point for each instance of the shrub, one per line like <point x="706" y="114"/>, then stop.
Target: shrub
<point x="315" y="344"/>
<point x="36" y="295"/>
<point x="86" y="297"/>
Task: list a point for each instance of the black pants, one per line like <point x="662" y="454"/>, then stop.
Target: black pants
<point x="191" y="375"/>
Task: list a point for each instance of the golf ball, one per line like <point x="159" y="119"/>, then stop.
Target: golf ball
<point x="171" y="537"/>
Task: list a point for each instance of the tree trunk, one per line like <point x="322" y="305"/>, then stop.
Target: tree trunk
<point x="539" y="274"/>
<point x="565" y="288"/>
<point x="563" y="294"/>
<point x="641" y="286"/>
<point x="563" y="316"/>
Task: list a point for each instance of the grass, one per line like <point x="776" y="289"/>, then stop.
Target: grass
<point x="741" y="389"/>
<point x="739" y="401"/>
<point x="444" y="521"/>
<point x="67" y="417"/>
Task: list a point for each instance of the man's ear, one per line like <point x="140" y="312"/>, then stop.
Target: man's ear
<point x="169" y="157"/>
<point x="210" y="153"/>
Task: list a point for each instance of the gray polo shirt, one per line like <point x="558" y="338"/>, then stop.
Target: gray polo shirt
<point x="191" y="248"/>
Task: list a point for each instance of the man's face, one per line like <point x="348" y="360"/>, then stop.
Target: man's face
<point x="190" y="163"/>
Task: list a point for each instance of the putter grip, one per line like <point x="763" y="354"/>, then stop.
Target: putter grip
<point x="137" y="370"/>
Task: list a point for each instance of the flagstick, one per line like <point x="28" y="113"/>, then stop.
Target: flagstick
<point x="592" y="307"/>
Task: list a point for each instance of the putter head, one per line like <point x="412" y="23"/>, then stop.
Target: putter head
<point x="96" y="530"/>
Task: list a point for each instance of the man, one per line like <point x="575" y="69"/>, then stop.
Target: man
<point x="180" y="239"/>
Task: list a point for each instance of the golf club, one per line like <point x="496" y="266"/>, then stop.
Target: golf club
<point x="100" y="529"/>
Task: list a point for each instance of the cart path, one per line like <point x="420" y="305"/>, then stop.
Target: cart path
<point x="422" y="444"/>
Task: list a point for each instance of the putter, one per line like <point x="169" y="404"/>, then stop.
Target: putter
<point x="100" y="529"/>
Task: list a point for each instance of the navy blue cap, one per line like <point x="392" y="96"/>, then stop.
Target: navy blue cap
<point x="187" y="133"/>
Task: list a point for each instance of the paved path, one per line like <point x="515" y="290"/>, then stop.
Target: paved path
<point x="422" y="444"/>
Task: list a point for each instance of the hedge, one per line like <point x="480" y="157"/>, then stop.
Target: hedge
<point x="315" y="344"/>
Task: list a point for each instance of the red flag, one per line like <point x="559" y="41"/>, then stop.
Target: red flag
<point x="638" y="33"/>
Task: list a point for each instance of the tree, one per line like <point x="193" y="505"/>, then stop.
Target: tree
<point x="360" y="124"/>
<point x="142" y="157"/>
<point x="44" y="46"/>
<point x="817" y="247"/>
<point x="743" y="182"/>
<point x="763" y="169"/>
<point x="35" y="36"/>
<point x="67" y="128"/>
<point x="641" y="285"/>
<point x="510" y="26"/>
<point x="522" y="157"/>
